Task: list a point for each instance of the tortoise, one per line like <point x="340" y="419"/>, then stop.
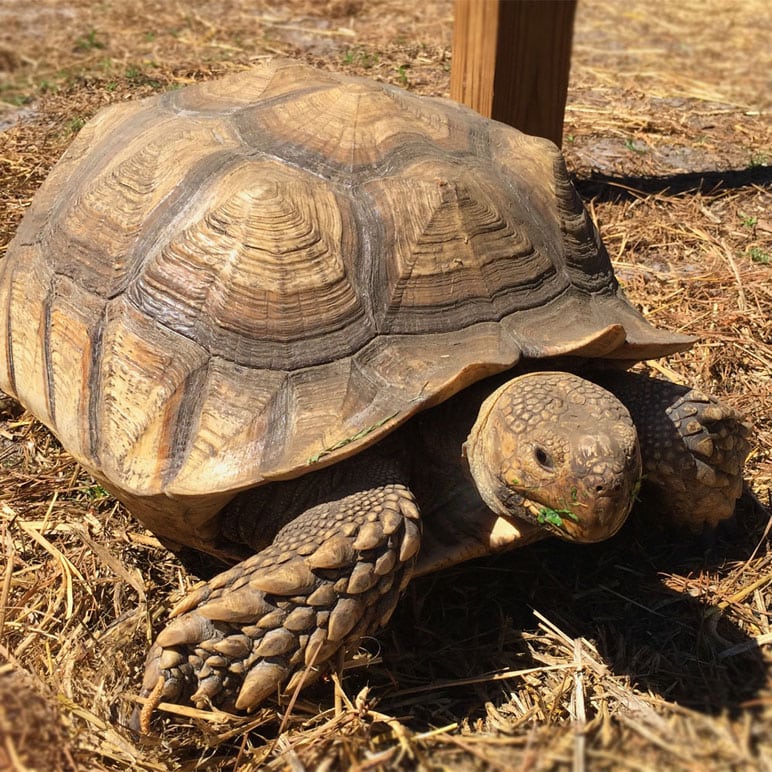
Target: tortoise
<point x="338" y="336"/>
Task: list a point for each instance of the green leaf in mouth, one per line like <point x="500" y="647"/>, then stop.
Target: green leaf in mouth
<point x="555" y="516"/>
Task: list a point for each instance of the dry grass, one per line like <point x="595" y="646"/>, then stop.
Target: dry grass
<point x="652" y="650"/>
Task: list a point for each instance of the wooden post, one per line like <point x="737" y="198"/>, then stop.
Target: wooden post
<point x="511" y="60"/>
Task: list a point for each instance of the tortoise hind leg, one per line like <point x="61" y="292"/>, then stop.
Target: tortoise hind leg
<point x="331" y="576"/>
<point x="693" y="446"/>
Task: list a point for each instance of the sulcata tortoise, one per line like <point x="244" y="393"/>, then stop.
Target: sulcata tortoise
<point x="338" y="335"/>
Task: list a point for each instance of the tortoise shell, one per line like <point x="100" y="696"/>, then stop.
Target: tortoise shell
<point x="240" y="280"/>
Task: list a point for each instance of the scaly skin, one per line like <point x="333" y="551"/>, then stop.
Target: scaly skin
<point x="331" y="577"/>
<point x="693" y="447"/>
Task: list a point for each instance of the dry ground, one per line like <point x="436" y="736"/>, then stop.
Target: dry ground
<point x="653" y="650"/>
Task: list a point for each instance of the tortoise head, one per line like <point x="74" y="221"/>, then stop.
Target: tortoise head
<point x="559" y="451"/>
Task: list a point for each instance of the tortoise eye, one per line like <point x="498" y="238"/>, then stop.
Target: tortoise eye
<point x="543" y="458"/>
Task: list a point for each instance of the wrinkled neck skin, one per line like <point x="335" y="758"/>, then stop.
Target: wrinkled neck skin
<point x="457" y="523"/>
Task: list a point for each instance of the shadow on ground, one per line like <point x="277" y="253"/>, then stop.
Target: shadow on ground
<point x="670" y="642"/>
<point x="602" y="187"/>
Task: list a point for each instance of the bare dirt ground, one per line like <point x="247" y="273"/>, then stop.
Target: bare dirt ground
<point x="653" y="650"/>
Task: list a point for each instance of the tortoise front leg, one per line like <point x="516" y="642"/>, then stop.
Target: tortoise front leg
<point x="331" y="576"/>
<point x="693" y="446"/>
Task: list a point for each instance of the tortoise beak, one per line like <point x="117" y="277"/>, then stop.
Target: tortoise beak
<point x="593" y="516"/>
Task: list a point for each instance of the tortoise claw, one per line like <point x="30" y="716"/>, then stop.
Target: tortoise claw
<point x="143" y="716"/>
<point x="157" y="683"/>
